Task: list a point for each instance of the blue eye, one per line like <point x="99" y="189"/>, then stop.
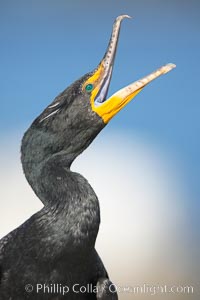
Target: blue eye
<point x="89" y="87"/>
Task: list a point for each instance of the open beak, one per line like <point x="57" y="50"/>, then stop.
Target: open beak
<point x="101" y="77"/>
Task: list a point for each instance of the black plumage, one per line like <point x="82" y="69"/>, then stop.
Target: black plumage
<point x="56" y="245"/>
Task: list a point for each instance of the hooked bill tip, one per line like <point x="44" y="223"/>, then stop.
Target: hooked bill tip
<point x="121" y="17"/>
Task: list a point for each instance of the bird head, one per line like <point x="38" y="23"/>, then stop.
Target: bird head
<point x="78" y="114"/>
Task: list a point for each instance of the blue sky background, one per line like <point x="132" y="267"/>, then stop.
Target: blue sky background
<point x="46" y="45"/>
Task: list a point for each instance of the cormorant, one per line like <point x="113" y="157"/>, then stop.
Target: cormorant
<point x="52" y="255"/>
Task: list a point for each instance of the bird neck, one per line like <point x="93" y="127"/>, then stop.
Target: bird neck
<point x="42" y="149"/>
<point x="72" y="205"/>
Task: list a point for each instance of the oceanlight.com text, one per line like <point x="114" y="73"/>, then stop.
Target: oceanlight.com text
<point x="61" y="289"/>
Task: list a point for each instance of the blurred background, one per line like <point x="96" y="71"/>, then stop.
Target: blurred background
<point x="144" y="166"/>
